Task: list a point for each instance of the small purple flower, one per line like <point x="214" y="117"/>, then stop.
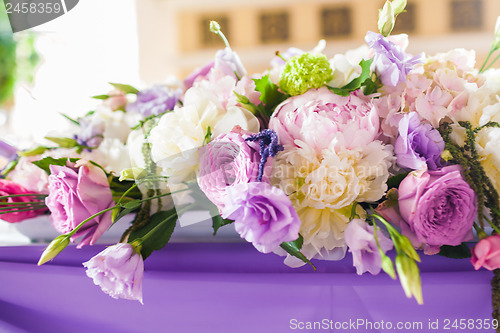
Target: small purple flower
<point x="198" y="73"/>
<point x="390" y="62"/>
<point x="262" y="214"/>
<point x="91" y="131"/>
<point x="154" y="101"/>
<point x="118" y="270"/>
<point x="228" y="62"/>
<point x="361" y="241"/>
<point x="418" y="144"/>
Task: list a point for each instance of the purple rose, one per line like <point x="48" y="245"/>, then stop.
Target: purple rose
<point x="77" y="192"/>
<point x="154" y="101"/>
<point x="418" y="144"/>
<point x="439" y="208"/>
<point x="118" y="270"/>
<point x="262" y="214"/>
<point x="390" y="62"/>
<point x="227" y="160"/>
<point x="361" y="242"/>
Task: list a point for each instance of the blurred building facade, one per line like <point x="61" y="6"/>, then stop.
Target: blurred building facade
<point x="174" y="36"/>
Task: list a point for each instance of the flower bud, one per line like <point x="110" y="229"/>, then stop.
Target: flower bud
<point x="386" y="19"/>
<point x="398" y="6"/>
<point x="214" y="27"/>
<point x="133" y="174"/>
<point x="409" y="276"/>
<point x="496" y="42"/>
<point x="388" y="266"/>
<point x="55" y="247"/>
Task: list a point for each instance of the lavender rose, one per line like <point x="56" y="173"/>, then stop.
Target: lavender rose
<point x="118" y="270"/>
<point x="439" y="207"/>
<point x="391" y="63"/>
<point x="361" y="241"/>
<point x="262" y="214"/>
<point x="76" y="192"/>
<point x="319" y="117"/>
<point x="227" y="160"/>
<point x="418" y="144"/>
<point x="154" y="101"/>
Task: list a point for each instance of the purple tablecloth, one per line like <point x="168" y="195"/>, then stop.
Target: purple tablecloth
<point x="233" y="288"/>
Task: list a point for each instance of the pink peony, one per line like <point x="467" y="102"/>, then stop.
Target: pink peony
<point x="118" y="270"/>
<point x="77" y="192"/>
<point x="486" y="253"/>
<point x="320" y="117"/>
<point x="8" y="187"/>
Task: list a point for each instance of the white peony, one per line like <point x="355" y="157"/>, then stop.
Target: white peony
<point x="323" y="187"/>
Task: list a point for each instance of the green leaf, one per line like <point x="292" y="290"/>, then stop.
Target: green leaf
<point x="128" y="208"/>
<point x="127" y="89"/>
<point x="394" y="181"/>
<point x="293" y="248"/>
<point x="9" y="167"/>
<point x="461" y="251"/>
<point x="33" y="152"/>
<point x="63" y="142"/>
<point x="269" y="93"/>
<point x="218" y="222"/>
<point x="165" y="221"/>
<point x="70" y="119"/>
<point x="46" y="162"/>
<point x="356" y="83"/>
<point x="103" y="97"/>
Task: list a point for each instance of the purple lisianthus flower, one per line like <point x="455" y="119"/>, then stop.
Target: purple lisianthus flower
<point x="262" y="214"/>
<point x="154" y="101"/>
<point x="361" y="241"/>
<point x="437" y="208"/>
<point x="227" y="160"/>
<point x="76" y="192"/>
<point x="118" y="270"/>
<point x="198" y="74"/>
<point x="390" y="62"/>
<point x="418" y="144"/>
<point x="228" y="62"/>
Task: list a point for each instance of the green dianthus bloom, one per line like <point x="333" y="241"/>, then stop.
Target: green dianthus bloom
<point x="305" y="72"/>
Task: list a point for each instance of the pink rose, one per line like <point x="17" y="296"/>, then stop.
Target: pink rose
<point x="227" y="160"/>
<point x="8" y="187"/>
<point x="438" y="206"/>
<point x="320" y="117"/>
<point x="77" y="192"/>
<point x="118" y="270"/>
<point x="486" y="253"/>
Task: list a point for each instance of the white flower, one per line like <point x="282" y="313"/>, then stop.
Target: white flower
<point x="323" y="188"/>
<point x="179" y="134"/>
<point x="488" y="146"/>
<point x="111" y="154"/>
<point x="346" y="66"/>
<point x="30" y="176"/>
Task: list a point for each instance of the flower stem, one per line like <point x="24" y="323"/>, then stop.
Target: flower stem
<point x="491" y="63"/>
<point x="486" y="60"/>
<point x="152" y="231"/>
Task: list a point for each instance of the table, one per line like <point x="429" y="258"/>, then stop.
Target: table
<point x="230" y="287"/>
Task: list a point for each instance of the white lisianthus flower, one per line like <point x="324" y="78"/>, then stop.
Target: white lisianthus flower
<point x="346" y="66"/>
<point x="179" y="134"/>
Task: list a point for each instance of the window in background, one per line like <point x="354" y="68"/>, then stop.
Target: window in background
<point x="407" y="22"/>
<point x="466" y="15"/>
<point x="336" y="22"/>
<point x="274" y="27"/>
<point x="208" y="38"/>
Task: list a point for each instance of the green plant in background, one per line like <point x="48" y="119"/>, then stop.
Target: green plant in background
<point x="18" y="57"/>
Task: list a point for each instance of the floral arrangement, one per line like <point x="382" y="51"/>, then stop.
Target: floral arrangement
<point x="365" y="152"/>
